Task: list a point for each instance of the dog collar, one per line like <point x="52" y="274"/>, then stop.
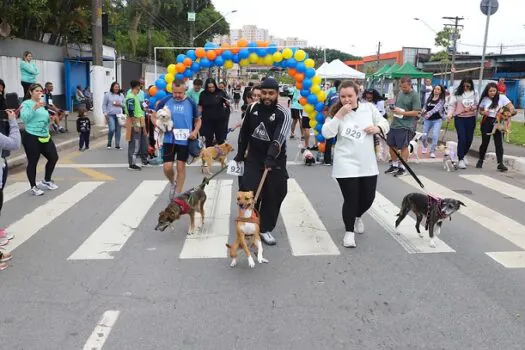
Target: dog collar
<point x="437" y="201"/>
<point x="184" y="207"/>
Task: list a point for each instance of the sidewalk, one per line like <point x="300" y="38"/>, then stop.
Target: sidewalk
<point x="63" y="141"/>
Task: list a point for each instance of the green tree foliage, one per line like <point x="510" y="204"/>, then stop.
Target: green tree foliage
<point x="317" y="54"/>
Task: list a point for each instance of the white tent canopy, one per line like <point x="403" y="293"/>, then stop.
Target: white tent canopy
<point x="337" y="69"/>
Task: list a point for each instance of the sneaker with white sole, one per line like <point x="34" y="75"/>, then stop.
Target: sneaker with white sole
<point x="36" y="191"/>
<point x="268" y="238"/>
<point x="462" y="165"/>
<point x="5" y="235"/>
<point x="432" y="155"/>
<point x="359" y="226"/>
<point x="465" y="160"/>
<point x="424" y="150"/>
<point x="47" y="185"/>
<point x="349" y="240"/>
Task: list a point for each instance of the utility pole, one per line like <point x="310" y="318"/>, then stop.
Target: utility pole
<point x="378" y="54"/>
<point x="455" y="37"/>
<point x="501" y="49"/>
<point x="192" y="22"/>
<point x="97" y="85"/>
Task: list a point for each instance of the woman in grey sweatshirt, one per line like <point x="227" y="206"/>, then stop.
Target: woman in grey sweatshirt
<point x="112" y="106"/>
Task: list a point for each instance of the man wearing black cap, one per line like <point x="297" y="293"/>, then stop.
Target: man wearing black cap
<point x="264" y="131"/>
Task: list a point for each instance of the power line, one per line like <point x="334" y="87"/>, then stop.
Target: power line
<point x="455" y="37"/>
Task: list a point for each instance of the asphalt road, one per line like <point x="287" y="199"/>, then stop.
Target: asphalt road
<point x="90" y="272"/>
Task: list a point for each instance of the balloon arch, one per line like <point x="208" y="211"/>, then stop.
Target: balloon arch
<point x="299" y="66"/>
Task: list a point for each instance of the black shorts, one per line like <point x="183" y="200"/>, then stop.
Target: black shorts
<point x="169" y="150"/>
<point x="305" y="123"/>
<point x="296" y="113"/>
<point x="399" y="138"/>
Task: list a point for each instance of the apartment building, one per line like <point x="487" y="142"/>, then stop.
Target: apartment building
<point x="252" y="33"/>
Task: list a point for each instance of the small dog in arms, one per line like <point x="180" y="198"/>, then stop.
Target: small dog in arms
<point x="164" y="122"/>
<point x="247" y="225"/>
<point x="434" y="209"/>
<point x="188" y="203"/>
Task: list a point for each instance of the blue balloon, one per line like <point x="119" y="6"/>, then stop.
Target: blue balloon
<point x="205" y="63"/>
<point x="307" y="84"/>
<point x="312" y="99"/>
<point x="162" y="77"/>
<point x="309" y="72"/>
<point x="305" y="93"/>
<point x="244" y="53"/>
<point x="319" y="106"/>
<point x="179" y="76"/>
<point x="320" y="138"/>
<point x="219" y="61"/>
<point x="227" y="55"/>
<point x="261" y="51"/>
<point x="188" y="73"/>
<point x="236" y="58"/>
<point x="191" y="54"/>
<point x="160" y="84"/>
<point x="180" y="58"/>
<point x="252" y="47"/>
<point x="160" y="95"/>
<point x="272" y="48"/>
<point x="300" y="67"/>
<point x="152" y="101"/>
<point x="195" y="67"/>
<point x="318" y="127"/>
<point x="291" y="63"/>
<point x="320" y="118"/>
<point x="208" y="46"/>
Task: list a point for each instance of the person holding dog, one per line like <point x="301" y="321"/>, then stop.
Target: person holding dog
<point x="186" y="125"/>
<point x="264" y="131"/>
<point x="355" y="164"/>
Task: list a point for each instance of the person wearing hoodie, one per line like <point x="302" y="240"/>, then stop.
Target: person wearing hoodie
<point x="29" y="72"/>
<point x="213" y="104"/>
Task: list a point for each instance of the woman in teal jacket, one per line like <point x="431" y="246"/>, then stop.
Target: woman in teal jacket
<point x="29" y="72"/>
<point x="37" y="140"/>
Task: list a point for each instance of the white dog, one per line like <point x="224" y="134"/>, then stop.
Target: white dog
<point x="413" y="146"/>
<point x="164" y="122"/>
<point x="450" y="160"/>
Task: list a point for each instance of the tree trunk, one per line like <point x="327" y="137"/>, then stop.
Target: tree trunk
<point x="133" y="31"/>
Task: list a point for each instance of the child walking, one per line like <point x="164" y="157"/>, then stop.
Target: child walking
<point x="83" y="129"/>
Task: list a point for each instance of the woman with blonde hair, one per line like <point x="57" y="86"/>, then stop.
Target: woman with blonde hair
<point x="355" y="168"/>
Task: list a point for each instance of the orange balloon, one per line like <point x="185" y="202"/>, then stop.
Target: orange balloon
<point x="322" y="147"/>
<point x="187" y="62"/>
<point x="260" y="43"/>
<point x="218" y="52"/>
<point x="292" y="72"/>
<point x="264" y="44"/>
<point x="211" y="55"/>
<point x="299" y="85"/>
<point x="235" y="49"/>
<point x="199" y="52"/>
<point x="185" y="78"/>
<point x="299" y="77"/>
<point x="303" y="101"/>
<point x="179" y="67"/>
<point x="152" y="91"/>
<point x="242" y="43"/>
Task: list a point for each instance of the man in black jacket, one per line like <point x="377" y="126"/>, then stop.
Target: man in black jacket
<point x="264" y="131"/>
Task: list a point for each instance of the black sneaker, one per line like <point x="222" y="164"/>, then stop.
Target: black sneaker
<point x="502" y="167"/>
<point x="479" y="164"/>
<point x="134" y="167"/>
<point x="400" y="172"/>
<point x="391" y="170"/>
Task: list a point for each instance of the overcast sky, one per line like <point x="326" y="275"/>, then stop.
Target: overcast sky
<point x="356" y="26"/>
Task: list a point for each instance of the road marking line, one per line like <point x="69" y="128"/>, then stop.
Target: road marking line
<point x="102" y="330"/>
<point x="216" y="166"/>
<point x="497" y="185"/>
<point x="210" y="242"/>
<point x="96" y="175"/>
<point x="33" y="222"/>
<point x="306" y="233"/>
<point x="15" y="190"/>
<point x="501" y="225"/>
<point x="511" y="260"/>
<point x="114" y="232"/>
<point x="384" y="212"/>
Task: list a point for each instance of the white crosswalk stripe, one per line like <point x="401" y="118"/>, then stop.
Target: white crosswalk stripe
<point x="102" y="330"/>
<point x="304" y="227"/>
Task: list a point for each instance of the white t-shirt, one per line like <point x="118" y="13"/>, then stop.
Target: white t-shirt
<point x="486" y="102"/>
<point x="354" y="154"/>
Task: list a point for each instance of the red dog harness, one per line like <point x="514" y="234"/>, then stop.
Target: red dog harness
<point x="435" y="200"/>
<point x="184" y="207"/>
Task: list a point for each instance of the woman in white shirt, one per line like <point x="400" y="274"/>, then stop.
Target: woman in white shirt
<point x="355" y="165"/>
<point x="491" y="102"/>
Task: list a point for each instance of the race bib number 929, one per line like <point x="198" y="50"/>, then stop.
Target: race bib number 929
<point x="354" y="133"/>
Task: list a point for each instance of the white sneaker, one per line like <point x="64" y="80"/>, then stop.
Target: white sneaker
<point x="462" y="165"/>
<point x="424" y="150"/>
<point x="268" y="238"/>
<point x="349" y="240"/>
<point x="432" y="155"/>
<point x="359" y="226"/>
<point x="47" y="185"/>
<point x="465" y="160"/>
<point x="36" y="191"/>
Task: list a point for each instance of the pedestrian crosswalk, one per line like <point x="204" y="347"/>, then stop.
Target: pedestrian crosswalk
<point x="310" y="228"/>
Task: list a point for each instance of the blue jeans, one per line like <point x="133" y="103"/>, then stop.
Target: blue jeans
<point x="465" y="129"/>
<point x="114" y="129"/>
<point x="435" y="126"/>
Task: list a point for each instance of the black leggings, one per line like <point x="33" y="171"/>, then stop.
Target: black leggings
<point x="213" y="127"/>
<point x="34" y="149"/>
<point x="4" y="179"/>
<point x="486" y="128"/>
<point x="26" y="86"/>
<point x="359" y="194"/>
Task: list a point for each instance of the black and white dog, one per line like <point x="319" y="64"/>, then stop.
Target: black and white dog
<point x="435" y="210"/>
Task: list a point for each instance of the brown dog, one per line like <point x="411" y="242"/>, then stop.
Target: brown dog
<point x="217" y="152"/>
<point x="189" y="203"/>
<point x="247" y="225"/>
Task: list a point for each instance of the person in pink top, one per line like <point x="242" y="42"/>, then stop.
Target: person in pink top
<point x="463" y="106"/>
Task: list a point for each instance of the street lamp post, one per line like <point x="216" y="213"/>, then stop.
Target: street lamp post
<point x="211" y="25"/>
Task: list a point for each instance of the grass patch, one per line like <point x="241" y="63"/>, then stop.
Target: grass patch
<point x="516" y="137"/>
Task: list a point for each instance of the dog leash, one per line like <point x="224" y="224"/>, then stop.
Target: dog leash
<point x="206" y="181"/>
<point x="445" y="133"/>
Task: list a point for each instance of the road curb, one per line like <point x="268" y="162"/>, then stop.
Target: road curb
<point x="21" y="160"/>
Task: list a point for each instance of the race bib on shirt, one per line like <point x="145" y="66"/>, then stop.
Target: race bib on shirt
<point x="354" y="132"/>
<point x="468" y="103"/>
<point x="181" y="134"/>
<point x="234" y="168"/>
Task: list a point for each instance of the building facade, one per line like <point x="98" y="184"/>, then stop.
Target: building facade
<point x="253" y="33"/>
<point x="414" y="55"/>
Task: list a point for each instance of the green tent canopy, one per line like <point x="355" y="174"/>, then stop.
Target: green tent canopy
<point x="409" y="70"/>
<point x="380" y="71"/>
<point x="387" y="73"/>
